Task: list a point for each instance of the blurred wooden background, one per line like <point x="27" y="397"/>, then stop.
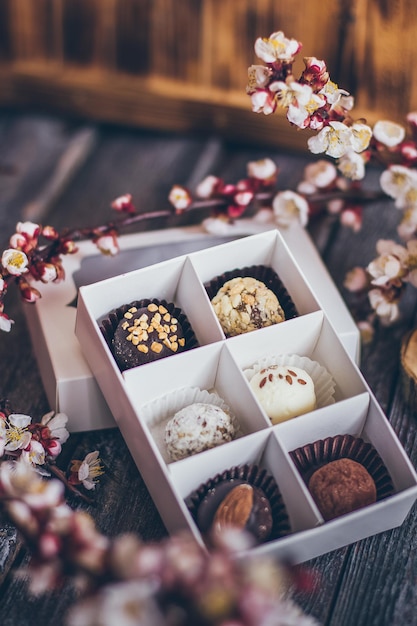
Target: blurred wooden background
<point x="182" y="64"/>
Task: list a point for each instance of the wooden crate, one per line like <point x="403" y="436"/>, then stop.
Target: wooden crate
<point x="182" y="64"/>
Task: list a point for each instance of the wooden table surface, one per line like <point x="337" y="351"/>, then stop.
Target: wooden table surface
<point x="65" y="173"/>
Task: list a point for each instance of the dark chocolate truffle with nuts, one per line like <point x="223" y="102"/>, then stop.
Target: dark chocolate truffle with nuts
<point x="146" y="334"/>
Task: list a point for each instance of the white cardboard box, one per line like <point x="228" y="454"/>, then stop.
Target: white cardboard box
<point x="69" y="383"/>
<point x="137" y="397"/>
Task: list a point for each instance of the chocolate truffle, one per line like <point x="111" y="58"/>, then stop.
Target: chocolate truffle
<point x="197" y="427"/>
<point x="340" y="487"/>
<point x="146" y="334"/>
<point x="284" y="392"/>
<point x="244" y="497"/>
<point x="244" y="304"/>
<point x="236" y="504"/>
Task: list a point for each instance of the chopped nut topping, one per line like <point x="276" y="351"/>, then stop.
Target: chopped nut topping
<point x="162" y="309"/>
<point x="300" y="381"/>
<point x="152" y="307"/>
<point x="288" y="379"/>
<point x="262" y="383"/>
<point x="156" y="347"/>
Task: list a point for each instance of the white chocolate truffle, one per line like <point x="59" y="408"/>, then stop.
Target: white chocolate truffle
<point x="284" y="392"/>
<point x="244" y="304"/>
<point x="197" y="427"/>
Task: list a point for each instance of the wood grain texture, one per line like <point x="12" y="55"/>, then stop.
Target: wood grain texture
<point x="183" y="65"/>
<point x="372" y="582"/>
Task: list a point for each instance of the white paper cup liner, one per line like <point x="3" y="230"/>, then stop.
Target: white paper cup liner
<point x="324" y="385"/>
<point x="157" y="413"/>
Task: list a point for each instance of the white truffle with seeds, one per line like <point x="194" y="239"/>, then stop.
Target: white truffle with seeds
<point x="284" y="392"/>
<point x="196" y="428"/>
<point x="244" y="304"/>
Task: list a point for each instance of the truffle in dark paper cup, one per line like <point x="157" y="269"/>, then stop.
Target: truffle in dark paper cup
<point x="244" y="497"/>
<point x="145" y="331"/>
<point x="343" y="474"/>
<point x="248" y="299"/>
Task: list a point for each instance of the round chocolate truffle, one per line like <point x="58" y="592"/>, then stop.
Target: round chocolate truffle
<point x="284" y="392"/>
<point x="340" y="487"/>
<point x="197" y="427"/>
<point x="244" y="304"/>
<point x="146" y="334"/>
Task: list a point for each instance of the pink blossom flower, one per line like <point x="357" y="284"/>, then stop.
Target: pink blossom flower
<point x="108" y="244"/>
<point x="34" y="453"/>
<point x="49" y="232"/>
<point x="263" y="101"/>
<point x="123" y="204"/>
<point x="315" y="73"/>
<point x="277" y="48"/>
<point x="352" y="217"/>
<point x="299" y="99"/>
<point x="47" y="272"/>
<point x="356" y="279"/>
<point x="28" y="293"/>
<point x="14" y="261"/>
<point x="179" y="197"/>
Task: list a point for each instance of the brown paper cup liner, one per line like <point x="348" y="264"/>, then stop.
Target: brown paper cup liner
<point x="256" y="477"/>
<point x="109" y="324"/>
<point x="263" y="273"/>
<point x="311" y="457"/>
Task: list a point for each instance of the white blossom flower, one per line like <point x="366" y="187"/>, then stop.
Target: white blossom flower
<point x="386" y="310"/>
<point x="361" y="136"/>
<point x="408" y="225"/>
<point x="56" y="422"/>
<point x="276" y="48"/>
<point x="35" y="453"/>
<point x="28" y="229"/>
<point x="14" y="261"/>
<point x="264" y="169"/>
<point x="332" y="93"/>
<point x="129" y="603"/>
<point x="20" y="480"/>
<point x="258" y="77"/>
<point x="17" y="435"/>
<point x="207" y="187"/>
<point x="320" y="174"/>
<point x="388" y="133"/>
<point x="400" y="182"/>
<point x="179" y="197"/>
<point x="352" y="165"/>
<point x="390" y="264"/>
<point x="289" y="206"/>
<point x="263" y="101"/>
<point x="108" y="244"/>
<point x="334" y="140"/>
<point x="5" y="322"/>
<point x="48" y="272"/>
<point x="299" y="99"/>
<point x="411" y="262"/>
<point x="90" y="469"/>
